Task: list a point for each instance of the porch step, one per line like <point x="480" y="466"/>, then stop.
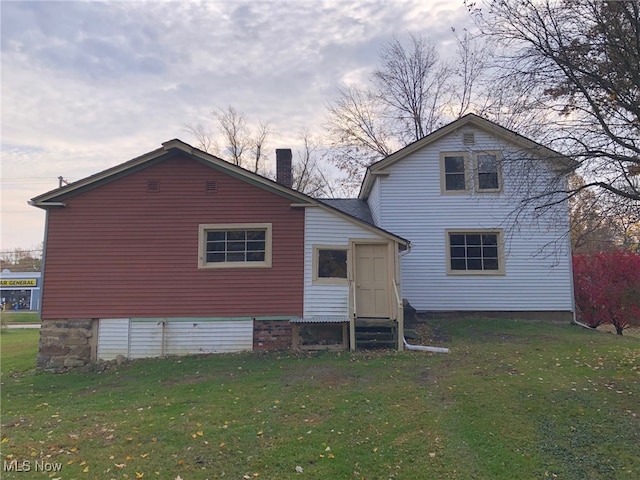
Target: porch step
<point x="376" y="333"/>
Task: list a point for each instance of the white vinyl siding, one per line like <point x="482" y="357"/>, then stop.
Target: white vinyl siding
<point x="113" y="338"/>
<point x="145" y="338"/>
<point x="189" y="336"/>
<point x="536" y="278"/>
<point x="325" y="228"/>
<point x="374" y="201"/>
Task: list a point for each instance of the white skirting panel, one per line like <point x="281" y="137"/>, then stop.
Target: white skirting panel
<point x="144" y="338"/>
<point x="113" y="338"/>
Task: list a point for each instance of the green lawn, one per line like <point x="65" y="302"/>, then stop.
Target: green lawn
<point x="10" y="317"/>
<point x="521" y="400"/>
<point x="18" y="350"/>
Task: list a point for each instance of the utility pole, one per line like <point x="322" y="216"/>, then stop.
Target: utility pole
<point x="62" y="181"/>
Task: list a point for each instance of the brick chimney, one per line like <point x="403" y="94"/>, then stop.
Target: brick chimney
<point x="283" y="167"/>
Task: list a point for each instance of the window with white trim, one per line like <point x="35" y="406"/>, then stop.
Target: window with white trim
<point x="475" y="252"/>
<point x="482" y="174"/>
<point x="488" y="171"/>
<point x="454" y="172"/>
<point x="330" y="265"/>
<point x="235" y="245"/>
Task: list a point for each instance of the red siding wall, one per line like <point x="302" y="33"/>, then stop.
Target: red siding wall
<point x="119" y="251"/>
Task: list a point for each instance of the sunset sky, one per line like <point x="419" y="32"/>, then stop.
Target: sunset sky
<point x="88" y="85"/>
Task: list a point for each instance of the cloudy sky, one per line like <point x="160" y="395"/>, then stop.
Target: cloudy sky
<point x="88" y="85"/>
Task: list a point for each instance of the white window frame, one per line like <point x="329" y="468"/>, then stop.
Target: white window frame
<point x="462" y="231"/>
<point x="476" y="170"/>
<point x="316" y="279"/>
<point x="443" y="173"/>
<point x="225" y="227"/>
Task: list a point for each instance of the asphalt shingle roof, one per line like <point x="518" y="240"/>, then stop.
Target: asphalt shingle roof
<point x="351" y="206"/>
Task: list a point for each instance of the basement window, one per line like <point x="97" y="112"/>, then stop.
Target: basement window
<point x="235" y="245"/>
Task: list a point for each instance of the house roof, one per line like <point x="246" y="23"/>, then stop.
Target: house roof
<point x="381" y="167"/>
<point x="55" y="198"/>
<point x="352" y="206"/>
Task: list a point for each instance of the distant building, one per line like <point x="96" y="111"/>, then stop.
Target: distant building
<point x="20" y="290"/>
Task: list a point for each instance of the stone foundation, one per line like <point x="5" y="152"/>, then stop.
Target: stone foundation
<point x="66" y="344"/>
<point x="272" y="335"/>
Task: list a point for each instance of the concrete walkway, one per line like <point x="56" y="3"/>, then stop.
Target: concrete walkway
<point x="24" y="325"/>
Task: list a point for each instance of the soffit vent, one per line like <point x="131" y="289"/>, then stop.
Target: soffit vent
<point x="153" y="186"/>
<point x="468" y="138"/>
<point x="211" y="186"/>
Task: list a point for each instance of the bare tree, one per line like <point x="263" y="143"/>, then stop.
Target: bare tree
<point x="411" y="93"/>
<point x="247" y="148"/>
<point x="205" y="139"/>
<point x="232" y="125"/>
<point x="309" y="176"/>
<point x="410" y="84"/>
<point x="242" y="145"/>
<point x="22" y="260"/>
<point x="257" y="144"/>
<point x="469" y="69"/>
<point x="592" y="229"/>
<point x="581" y="59"/>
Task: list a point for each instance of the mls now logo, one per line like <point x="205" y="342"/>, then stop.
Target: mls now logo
<point x="26" y="466"/>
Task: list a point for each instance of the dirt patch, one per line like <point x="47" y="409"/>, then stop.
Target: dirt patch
<point x="329" y="377"/>
<point x="628" y="332"/>
<point x="430" y="333"/>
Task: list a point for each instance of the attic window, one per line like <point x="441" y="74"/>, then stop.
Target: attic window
<point x="468" y="138"/>
<point x="153" y="186"/>
<point x="210" y="186"/>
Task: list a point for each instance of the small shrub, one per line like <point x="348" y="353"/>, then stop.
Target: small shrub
<point x="607" y="288"/>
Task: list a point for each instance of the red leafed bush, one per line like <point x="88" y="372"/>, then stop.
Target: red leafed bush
<point x="607" y="288"/>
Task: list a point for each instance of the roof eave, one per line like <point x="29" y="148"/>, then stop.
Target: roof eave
<point x="562" y="163"/>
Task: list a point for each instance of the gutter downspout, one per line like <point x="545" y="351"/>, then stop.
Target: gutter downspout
<point x="423" y="348"/>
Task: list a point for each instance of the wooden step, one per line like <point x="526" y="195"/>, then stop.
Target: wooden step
<point x="376" y="333"/>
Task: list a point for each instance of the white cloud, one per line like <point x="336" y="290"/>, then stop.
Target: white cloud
<point x="87" y="85"/>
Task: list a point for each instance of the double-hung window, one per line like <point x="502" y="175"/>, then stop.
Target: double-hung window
<point x="475" y="252"/>
<point x="454" y="172"/>
<point x="235" y="245"/>
<point x="488" y="171"/>
<point x="459" y="174"/>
